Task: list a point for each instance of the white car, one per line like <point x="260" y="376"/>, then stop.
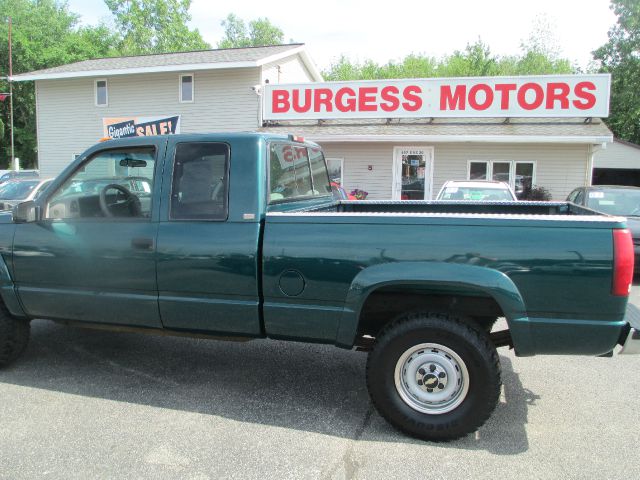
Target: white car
<point x="23" y="190"/>
<point x="477" y="191"/>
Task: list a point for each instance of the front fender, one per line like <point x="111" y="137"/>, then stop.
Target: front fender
<point x="8" y="291"/>
<point x="491" y="282"/>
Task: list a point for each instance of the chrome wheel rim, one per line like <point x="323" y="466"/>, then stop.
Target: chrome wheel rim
<point x="431" y="378"/>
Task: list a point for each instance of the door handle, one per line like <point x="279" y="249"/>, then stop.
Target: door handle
<point x="142" y="243"/>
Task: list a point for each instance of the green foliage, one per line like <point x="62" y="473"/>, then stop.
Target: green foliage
<point x="620" y="56"/>
<point x="536" y="193"/>
<point x="154" y="26"/>
<point x="45" y="34"/>
<point x="475" y="60"/>
<point x="260" y="32"/>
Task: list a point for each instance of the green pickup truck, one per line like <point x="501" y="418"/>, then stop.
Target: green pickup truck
<point x="238" y="236"/>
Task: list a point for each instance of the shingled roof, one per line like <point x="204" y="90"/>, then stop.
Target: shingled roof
<point x="166" y="62"/>
<point x="512" y="130"/>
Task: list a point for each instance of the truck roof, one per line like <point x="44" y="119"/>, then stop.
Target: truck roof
<point x="226" y="136"/>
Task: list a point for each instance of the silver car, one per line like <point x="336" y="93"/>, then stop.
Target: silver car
<point x="23" y="190"/>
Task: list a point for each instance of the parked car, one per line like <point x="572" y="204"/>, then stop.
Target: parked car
<point x="477" y="191"/>
<point x="618" y="200"/>
<point x="23" y="190"/>
<point x="6" y="175"/>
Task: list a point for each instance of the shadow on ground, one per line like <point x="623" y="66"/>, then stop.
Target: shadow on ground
<point x="315" y="388"/>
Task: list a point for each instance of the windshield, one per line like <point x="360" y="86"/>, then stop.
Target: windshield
<point x="615" y="202"/>
<point x="477" y="194"/>
<point x="17" y="190"/>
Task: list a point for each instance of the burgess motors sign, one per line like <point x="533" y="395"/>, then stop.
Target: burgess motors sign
<point x="526" y="96"/>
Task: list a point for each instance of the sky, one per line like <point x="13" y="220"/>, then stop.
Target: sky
<point x="390" y="30"/>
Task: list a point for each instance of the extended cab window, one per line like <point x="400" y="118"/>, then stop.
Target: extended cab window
<point x="200" y="178"/>
<point x="319" y="175"/>
<point x="111" y="183"/>
<point x="296" y="171"/>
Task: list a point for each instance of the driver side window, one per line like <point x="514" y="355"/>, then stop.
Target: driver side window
<point x="111" y="183"/>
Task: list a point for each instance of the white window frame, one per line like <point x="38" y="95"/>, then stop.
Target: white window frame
<point x="193" y="87"/>
<point x="396" y="175"/>
<point x="341" y="160"/>
<point x="106" y="91"/>
<point x="512" y="169"/>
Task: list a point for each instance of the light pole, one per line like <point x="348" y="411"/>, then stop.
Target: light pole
<point x="13" y="154"/>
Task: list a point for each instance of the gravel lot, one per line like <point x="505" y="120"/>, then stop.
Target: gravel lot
<point x="90" y="404"/>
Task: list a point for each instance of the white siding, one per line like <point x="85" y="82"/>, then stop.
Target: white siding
<point x="559" y="168"/>
<point x="617" y="155"/>
<point x="292" y="70"/>
<point x="69" y="122"/>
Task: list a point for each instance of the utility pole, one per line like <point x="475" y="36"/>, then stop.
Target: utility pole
<point x="13" y="153"/>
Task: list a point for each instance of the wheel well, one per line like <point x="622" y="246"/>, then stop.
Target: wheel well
<point x="387" y="303"/>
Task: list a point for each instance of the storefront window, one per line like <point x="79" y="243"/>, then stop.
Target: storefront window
<point x="519" y="175"/>
<point x="500" y="171"/>
<point x="478" y="170"/>
<point x="524" y="178"/>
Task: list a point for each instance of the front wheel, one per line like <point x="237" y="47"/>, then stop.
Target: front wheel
<point x="433" y="376"/>
<point x="14" y="336"/>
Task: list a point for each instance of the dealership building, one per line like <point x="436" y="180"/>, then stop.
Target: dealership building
<point x="395" y="139"/>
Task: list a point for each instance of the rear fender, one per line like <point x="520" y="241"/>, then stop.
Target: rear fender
<point x="465" y="277"/>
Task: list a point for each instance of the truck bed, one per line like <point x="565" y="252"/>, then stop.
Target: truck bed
<point x="505" y="208"/>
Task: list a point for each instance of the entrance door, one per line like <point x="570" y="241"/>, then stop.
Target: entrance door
<point x="412" y="172"/>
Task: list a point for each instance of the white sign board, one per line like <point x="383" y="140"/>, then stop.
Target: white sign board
<point x="525" y="96"/>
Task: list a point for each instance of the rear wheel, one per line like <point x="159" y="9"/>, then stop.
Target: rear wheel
<point x="433" y="376"/>
<point x="14" y="336"/>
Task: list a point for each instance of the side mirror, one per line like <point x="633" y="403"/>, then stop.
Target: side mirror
<point x="26" y="212"/>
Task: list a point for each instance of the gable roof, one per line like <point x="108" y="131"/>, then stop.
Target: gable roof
<point x="171" y="62"/>
<point x="626" y="143"/>
<point x="494" y="130"/>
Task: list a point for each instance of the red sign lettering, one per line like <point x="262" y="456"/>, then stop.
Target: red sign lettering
<point x="414" y="101"/>
<point x="505" y="90"/>
<point x="453" y="101"/>
<point x="390" y="96"/>
<point x="473" y="96"/>
<point x="280" y="101"/>
<point x="537" y="99"/>
<point x="589" y="99"/>
<point x="296" y="100"/>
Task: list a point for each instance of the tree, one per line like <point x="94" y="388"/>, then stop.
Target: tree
<point x="620" y="57"/>
<point x="45" y="34"/>
<point x="260" y="32"/>
<point x="154" y="26"/>
<point x="474" y="61"/>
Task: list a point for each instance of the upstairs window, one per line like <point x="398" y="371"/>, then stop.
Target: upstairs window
<point x="101" y="93"/>
<point x="186" y="88"/>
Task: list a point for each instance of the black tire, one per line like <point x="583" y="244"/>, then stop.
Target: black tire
<point x="467" y="341"/>
<point x="486" y="323"/>
<point x="14" y="336"/>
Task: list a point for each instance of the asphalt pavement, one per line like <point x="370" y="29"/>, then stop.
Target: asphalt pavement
<point x="86" y="404"/>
